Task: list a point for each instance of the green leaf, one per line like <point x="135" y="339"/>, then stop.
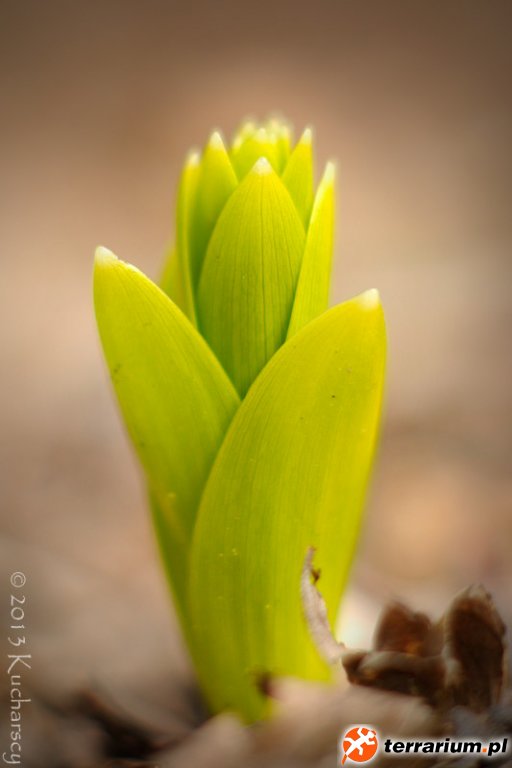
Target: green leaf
<point x="312" y="295"/>
<point x="249" y="276"/>
<point x="250" y="146"/>
<point x="298" y="176"/>
<point x="174" y="548"/>
<point x="284" y="138"/>
<point x="217" y="180"/>
<point x="171" y="280"/>
<point x="186" y="199"/>
<point x="291" y="473"/>
<point x="252" y="141"/>
<point x="176" y="400"/>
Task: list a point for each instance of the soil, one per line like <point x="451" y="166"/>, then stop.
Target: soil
<point x="421" y="679"/>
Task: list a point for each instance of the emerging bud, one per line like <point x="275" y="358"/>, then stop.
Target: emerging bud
<point x="254" y="448"/>
<point x="253" y="245"/>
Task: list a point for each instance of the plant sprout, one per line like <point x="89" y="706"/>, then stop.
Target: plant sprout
<point x="253" y="410"/>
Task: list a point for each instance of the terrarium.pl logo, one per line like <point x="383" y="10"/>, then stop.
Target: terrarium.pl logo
<point x="360" y="744"/>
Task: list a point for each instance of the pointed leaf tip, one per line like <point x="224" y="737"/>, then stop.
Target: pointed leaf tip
<point x="103" y="256"/>
<point x="193" y="158"/>
<point x="369" y="299"/>
<point x="262" y="166"/>
<point x="330" y="172"/>
<point x="307" y="136"/>
<point x="216" y="140"/>
<point x="106" y="259"/>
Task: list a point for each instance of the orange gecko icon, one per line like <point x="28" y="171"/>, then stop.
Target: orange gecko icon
<point x="359" y="744"/>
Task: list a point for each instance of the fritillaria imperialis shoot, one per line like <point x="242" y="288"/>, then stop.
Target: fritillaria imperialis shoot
<point x="253" y="409"/>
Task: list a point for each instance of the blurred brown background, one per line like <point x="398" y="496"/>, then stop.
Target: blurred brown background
<point x="100" y="101"/>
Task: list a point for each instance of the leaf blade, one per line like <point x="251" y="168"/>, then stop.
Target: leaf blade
<point x="249" y="275"/>
<point x="254" y="142"/>
<point x="312" y="295"/>
<point x="302" y="439"/>
<point x="298" y="176"/>
<point x="217" y="180"/>
<point x="184" y="211"/>
<point x="171" y="280"/>
<point x="175" y="398"/>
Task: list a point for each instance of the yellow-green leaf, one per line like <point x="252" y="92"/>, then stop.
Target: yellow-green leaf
<point x="176" y="400"/>
<point x="216" y="181"/>
<point x="284" y="138"/>
<point x="291" y="474"/>
<point x="172" y="281"/>
<point x="312" y="295"/>
<point x="298" y="176"/>
<point x="186" y="200"/>
<point x="249" y="275"/>
<point x="250" y="145"/>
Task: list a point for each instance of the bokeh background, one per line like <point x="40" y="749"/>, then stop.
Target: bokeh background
<point x="100" y="101"/>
